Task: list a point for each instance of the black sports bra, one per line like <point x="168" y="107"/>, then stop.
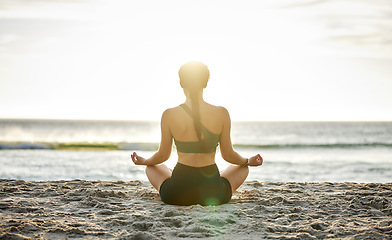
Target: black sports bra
<point x="206" y="145"/>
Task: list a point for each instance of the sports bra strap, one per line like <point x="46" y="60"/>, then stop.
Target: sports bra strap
<point x="187" y="110"/>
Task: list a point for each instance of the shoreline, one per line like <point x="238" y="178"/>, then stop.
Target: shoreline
<point x="133" y="210"/>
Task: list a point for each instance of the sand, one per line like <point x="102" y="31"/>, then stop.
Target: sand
<point x="132" y="210"/>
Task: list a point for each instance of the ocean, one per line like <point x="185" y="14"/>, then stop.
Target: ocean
<point x="101" y="150"/>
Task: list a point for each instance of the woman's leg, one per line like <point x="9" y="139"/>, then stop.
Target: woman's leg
<point x="157" y="174"/>
<point x="236" y="176"/>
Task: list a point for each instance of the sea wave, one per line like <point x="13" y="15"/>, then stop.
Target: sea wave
<point x="316" y="145"/>
<point x="24" y="146"/>
<point x="155" y="146"/>
<point x="81" y="146"/>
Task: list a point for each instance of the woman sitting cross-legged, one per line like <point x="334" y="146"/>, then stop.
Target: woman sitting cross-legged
<point x="197" y="128"/>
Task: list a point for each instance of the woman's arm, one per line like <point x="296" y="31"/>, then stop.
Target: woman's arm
<point x="164" y="148"/>
<point x="226" y="146"/>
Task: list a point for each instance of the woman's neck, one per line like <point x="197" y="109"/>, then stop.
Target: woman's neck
<point x="199" y="98"/>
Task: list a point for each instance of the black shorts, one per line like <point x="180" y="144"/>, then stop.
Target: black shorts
<point x="195" y="185"/>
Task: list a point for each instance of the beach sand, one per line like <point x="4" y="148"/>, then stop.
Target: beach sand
<point x="133" y="210"/>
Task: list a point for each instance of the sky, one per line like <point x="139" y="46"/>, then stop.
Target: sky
<point x="271" y="60"/>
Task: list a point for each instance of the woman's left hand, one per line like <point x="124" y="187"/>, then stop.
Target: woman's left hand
<point x="255" y="161"/>
<point x="138" y="160"/>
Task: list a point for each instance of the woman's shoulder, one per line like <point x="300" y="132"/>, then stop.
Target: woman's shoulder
<point x="171" y="112"/>
<point x="218" y="109"/>
<point x="211" y="109"/>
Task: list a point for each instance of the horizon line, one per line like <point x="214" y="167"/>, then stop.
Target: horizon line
<point x="151" y="120"/>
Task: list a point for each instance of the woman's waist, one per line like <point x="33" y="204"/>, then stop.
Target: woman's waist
<point x="185" y="173"/>
<point x="196" y="159"/>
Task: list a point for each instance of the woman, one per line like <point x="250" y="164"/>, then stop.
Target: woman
<point x="196" y="127"/>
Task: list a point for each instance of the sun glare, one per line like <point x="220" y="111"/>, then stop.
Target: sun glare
<point x="119" y="59"/>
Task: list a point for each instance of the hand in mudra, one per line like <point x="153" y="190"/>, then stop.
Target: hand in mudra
<point x="138" y="160"/>
<point x="255" y="161"/>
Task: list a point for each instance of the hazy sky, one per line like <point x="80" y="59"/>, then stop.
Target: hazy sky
<point x="269" y="60"/>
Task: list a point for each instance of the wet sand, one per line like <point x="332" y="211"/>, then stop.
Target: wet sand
<point x="132" y="210"/>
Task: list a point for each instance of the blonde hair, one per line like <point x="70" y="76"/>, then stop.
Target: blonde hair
<point x="194" y="77"/>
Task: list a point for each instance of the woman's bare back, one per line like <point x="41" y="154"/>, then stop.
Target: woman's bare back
<point x="182" y="129"/>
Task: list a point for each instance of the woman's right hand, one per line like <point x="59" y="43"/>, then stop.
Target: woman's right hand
<point x="255" y="161"/>
<point x="138" y="160"/>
